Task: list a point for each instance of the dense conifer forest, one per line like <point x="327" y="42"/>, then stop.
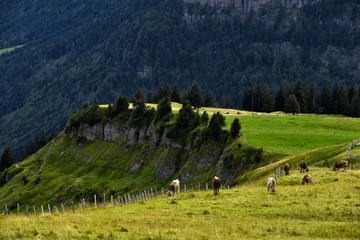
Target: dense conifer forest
<point x="70" y="53"/>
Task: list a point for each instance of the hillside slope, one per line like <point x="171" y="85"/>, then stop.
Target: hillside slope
<point x="327" y="209"/>
<point x="114" y="156"/>
<point x="78" y="52"/>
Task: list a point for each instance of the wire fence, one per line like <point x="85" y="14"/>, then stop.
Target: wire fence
<point x="97" y="201"/>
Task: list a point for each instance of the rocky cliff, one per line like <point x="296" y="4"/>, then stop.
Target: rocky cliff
<point x="173" y="159"/>
<point x="248" y="5"/>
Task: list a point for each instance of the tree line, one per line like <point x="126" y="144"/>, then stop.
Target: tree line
<point x="300" y="97"/>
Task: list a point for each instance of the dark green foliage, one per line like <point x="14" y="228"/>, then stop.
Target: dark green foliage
<point x="88" y="115"/>
<point x="74" y="52"/>
<point x="186" y="120"/>
<point x="217" y="121"/>
<point x="204" y="119"/>
<point x="292" y="105"/>
<point x="195" y="96"/>
<point x="6" y="159"/>
<point x="354" y="109"/>
<point x="138" y="98"/>
<point x="175" y="95"/>
<point x="163" y="108"/>
<point x="235" y="128"/>
<point x="121" y="105"/>
<point x="280" y="98"/>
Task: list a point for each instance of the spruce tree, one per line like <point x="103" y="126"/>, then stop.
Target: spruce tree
<point x="163" y="108"/>
<point x="280" y="99"/>
<point x="235" y="127"/>
<point x="292" y="105"/>
<point x="217" y="121"/>
<point x="195" y="96"/>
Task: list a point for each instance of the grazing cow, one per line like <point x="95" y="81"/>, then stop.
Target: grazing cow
<point x="216" y="184"/>
<point x="174" y="187"/>
<point x="303" y="167"/>
<point x="286" y="169"/>
<point x="306" y="179"/>
<point x="271" y="184"/>
<point x="340" y="164"/>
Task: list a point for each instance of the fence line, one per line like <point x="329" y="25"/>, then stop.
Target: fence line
<point x="84" y="204"/>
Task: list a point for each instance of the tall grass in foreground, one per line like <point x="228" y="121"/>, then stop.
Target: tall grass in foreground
<point x="327" y="209"/>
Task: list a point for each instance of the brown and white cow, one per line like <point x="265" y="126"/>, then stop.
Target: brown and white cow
<point x="216" y="185"/>
<point x="341" y="164"/>
<point x="174" y="187"/>
<point x="271" y="184"/>
<point x="303" y="166"/>
<point x="286" y="169"/>
<point x="307" y="179"/>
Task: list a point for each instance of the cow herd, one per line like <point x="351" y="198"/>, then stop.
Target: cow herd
<point x="271" y="182"/>
<point x="174" y="187"/>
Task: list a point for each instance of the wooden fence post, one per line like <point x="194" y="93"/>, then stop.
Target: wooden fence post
<point x="95" y="203"/>
<point x="42" y="209"/>
<point x="162" y="192"/>
<point x="72" y="207"/>
<point x="83" y="203"/>
<point x="18" y="208"/>
<point x="6" y="210"/>
<point x="104" y="200"/>
<point x="34" y="209"/>
<point x="62" y="208"/>
<point x="184" y="187"/>
<point x="49" y="208"/>
<point x="27" y="210"/>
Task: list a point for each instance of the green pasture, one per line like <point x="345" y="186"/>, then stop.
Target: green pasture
<point x="287" y="133"/>
<point x="327" y="209"/>
<point x="296" y="133"/>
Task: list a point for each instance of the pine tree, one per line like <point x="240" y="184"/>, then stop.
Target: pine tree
<point x="138" y="98"/>
<point x="267" y="99"/>
<point x="292" y="105"/>
<point x="343" y="100"/>
<point x="300" y="95"/>
<point x="204" y="119"/>
<point x="354" y="109"/>
<point x="235" y="127"/>
<point x="195" y="96"/>
<point x="121" y="105"/>
<point x="175" y="95"/>
<point x="280" y="99"/>
<point x="217" y="121"/>
<point x="325" y="102"/>
<point x="163" y="108"/>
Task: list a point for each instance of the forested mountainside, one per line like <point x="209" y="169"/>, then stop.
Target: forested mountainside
<point x="71" y="52"/>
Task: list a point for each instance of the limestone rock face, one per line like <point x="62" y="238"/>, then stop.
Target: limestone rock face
<point x="93" y="132"/>
<point x="248" y="5"/>
<point x="113" y="132"/>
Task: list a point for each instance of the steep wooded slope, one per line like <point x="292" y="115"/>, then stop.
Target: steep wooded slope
<point x="80" y="51"/>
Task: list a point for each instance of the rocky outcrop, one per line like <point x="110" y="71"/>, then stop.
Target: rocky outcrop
<point x="248" y="5"/>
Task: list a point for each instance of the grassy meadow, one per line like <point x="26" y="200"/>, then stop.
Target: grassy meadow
<point x="327" y="209"/>
<point x="287" y="133"/>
